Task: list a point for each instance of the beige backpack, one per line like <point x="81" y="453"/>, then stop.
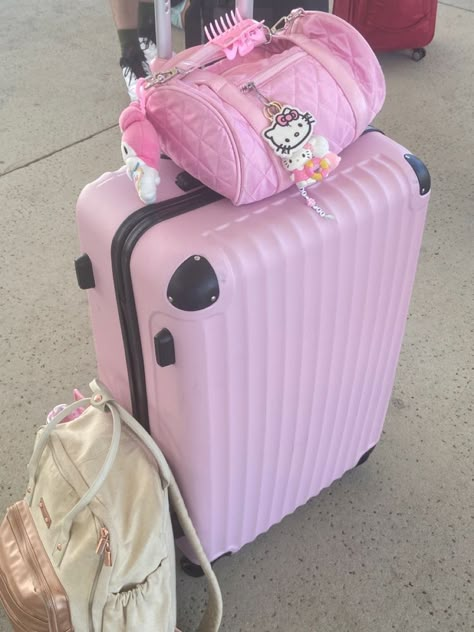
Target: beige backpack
<point x="91" y="547"/>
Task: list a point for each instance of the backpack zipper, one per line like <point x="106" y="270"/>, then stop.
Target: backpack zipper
<point x="103" y="542"/>
<point x="24" y="542"/>
<point x="103" y="546"/>
<point x="12" y="607"/>
<point x="103" y="550"/>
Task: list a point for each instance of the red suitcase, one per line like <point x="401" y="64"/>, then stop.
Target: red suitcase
<point x="392" y="24"/>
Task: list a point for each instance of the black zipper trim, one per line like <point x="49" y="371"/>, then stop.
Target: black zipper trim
<point x="123" y="244"/>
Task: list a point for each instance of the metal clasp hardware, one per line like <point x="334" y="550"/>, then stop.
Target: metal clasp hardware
<point x="280" y="25"/>
<point x="161" y="77"/>
<point x="284" y="22"/>
<point x="268" y="34"/>
<point x="271" y="108"/>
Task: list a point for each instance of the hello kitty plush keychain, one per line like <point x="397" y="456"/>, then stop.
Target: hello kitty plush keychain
<point x="304" y="155"/>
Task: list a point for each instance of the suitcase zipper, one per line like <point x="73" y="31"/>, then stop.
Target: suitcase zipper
<point x="123" y="244"/>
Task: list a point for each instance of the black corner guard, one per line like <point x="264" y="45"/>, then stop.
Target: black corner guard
<point x="194" y="285"/>
<point x="84" y="272"/>
<point x="421" y="172"/>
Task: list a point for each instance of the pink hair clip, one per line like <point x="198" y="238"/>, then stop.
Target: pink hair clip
<point x="235" y="35"/>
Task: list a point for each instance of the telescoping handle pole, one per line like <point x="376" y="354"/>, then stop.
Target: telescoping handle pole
<point x="163" y="24"/>
<point x="163" y="28"/>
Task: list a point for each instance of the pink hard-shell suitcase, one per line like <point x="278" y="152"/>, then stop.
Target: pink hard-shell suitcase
<point x="258" y="343"/>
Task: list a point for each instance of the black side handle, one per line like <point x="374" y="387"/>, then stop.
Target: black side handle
<point x="84" y="272"/>
<point x="164" y="348"/>
<point x="187" y="182"/>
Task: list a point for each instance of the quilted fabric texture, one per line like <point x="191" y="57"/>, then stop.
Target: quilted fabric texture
<point x="213" y="131"/>
<point x="351" y="49"/>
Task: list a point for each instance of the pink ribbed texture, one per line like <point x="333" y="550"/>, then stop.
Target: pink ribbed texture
<point x="283" y="384"/>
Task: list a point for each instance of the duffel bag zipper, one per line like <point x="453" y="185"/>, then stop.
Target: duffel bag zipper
<point x="274" y="68"/>
<point x="263" y="77"/>
<point x="161" y="77"/>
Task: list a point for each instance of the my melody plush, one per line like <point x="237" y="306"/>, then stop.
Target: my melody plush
<point x="306" y="156"/>
<point x="140" y="148"/>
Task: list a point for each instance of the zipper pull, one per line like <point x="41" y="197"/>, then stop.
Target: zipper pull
<point x="108" y="555"/>
<point x="104" y="541"/>
<point x="271" y="109"/>
<point x="251" y="87"/>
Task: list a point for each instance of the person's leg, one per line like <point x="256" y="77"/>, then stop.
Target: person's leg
<point x="146" y="20"/>
<point x="125" y="14"/>
<point x="135" y="47"/>
<point x="147" y="29"/>
<point x="178" y="12"/>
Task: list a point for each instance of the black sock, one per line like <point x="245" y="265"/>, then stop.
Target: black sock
<point x="146" y="21"/>
<point x="129" y="44"/>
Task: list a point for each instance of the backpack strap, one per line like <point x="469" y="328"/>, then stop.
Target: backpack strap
<point x="213" y="615"/>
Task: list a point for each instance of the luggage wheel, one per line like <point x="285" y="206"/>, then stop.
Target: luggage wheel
<point x="194" y="570"/>
<point x="418" y="54"/>
<point x="191" y="569"/>
<point x="365" y="456"/>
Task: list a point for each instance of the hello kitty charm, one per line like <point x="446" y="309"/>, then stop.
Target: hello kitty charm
<point x="307" y="157"/>
<point x="290" y="130"/>
<point x="304" y="155"/>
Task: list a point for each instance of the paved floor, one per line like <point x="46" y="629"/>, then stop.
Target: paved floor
<point x="389" y="547"/>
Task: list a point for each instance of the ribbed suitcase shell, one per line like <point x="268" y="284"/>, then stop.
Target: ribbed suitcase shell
<point x="391" y="24"/>
<point x="283" y="383"/>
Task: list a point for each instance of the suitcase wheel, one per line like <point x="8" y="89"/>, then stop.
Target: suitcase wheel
<point x="194" y="570"/>
<point x="418" y="54"/>
<point x="365" y="456"/>
<point x="191" y="569"/>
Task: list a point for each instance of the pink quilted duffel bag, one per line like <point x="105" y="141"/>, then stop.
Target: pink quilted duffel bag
<point x="213" y="115"/>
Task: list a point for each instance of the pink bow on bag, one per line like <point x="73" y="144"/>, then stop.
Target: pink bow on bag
<point x="286" y="117"/>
